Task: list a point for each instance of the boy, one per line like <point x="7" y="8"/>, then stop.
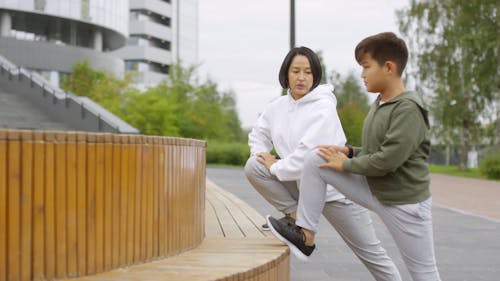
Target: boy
<point x="388" y="174"/>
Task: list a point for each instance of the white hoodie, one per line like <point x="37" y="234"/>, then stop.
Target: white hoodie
<point x="294" y="127"/>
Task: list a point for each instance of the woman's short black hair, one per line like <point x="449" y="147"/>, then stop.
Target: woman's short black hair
<point x="313" y="61"/>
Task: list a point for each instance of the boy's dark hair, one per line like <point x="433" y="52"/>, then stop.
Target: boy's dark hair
<point x="314" y="61"/>
<point x="384" y="47"/>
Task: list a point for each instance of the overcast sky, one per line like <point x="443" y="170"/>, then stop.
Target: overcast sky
<point x="242" y="43"/>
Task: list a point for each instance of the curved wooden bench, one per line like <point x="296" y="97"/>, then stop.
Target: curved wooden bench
<point x="91" y="206"/>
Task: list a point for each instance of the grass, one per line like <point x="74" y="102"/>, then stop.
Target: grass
<point x="455" y="171"/>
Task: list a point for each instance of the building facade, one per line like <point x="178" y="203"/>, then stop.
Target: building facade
<point x="162" y="33"/>
<point x="49" y="36"/>
<point x="144" y="36"/>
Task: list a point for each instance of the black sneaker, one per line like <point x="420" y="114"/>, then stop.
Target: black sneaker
<point x="287" y="219"/>
<point x="292" y="236"/>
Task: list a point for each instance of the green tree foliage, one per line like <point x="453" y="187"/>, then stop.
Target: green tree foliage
<point x="180" y="106"/>
<point x="455" y="47"/>
<point x="352" y="105"/>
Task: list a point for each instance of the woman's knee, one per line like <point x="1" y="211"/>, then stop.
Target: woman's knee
<point x="251" y="166"/>
<point x="312" y="159"/>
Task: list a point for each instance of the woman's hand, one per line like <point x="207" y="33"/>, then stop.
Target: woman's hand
<point x="334" y="156"/>
<point x="266" y="159"/>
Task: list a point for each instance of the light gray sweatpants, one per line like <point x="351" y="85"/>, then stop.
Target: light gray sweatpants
<point x="352" y="222"/>
<point x="410" y="225"/>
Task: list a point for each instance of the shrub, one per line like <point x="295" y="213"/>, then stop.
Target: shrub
<point x="490" y="165"/>
<point x="233" y="153"/>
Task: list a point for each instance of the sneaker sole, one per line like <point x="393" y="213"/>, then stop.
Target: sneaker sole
<point x="295" y="251"/>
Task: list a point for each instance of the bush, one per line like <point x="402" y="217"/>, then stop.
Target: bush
<point x="490" y="165"/>
<point x="233" y="153"/>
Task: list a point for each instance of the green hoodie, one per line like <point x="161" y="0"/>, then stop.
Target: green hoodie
<point x="395" y="147"/>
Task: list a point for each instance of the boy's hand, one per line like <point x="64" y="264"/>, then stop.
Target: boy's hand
<point x="334" y="158"/>
<point x="266" y="159"/>
<point x="342" y="149"/>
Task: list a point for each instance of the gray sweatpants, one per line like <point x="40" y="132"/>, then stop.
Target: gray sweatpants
<point x="410" y="225"/>
<point x="352" y="222"/>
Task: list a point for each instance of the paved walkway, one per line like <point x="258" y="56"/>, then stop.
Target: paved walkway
<point x="466" y="231"/>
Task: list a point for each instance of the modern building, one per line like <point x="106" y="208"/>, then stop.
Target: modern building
<point x="162" y="33"/>
<point x="49" y="36"/>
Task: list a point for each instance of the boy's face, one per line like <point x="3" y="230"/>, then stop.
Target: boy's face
<point x="373" y="74"/>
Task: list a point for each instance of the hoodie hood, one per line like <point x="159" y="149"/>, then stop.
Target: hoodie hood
<point x="414" y="97"/>
<point x="323" y="91"/>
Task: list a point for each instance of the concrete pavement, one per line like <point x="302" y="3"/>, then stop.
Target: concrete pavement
<point x="467" y="235"/>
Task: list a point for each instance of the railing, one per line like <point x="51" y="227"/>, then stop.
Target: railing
<point x="58" y="95"/>
<point x="75" y="204"/>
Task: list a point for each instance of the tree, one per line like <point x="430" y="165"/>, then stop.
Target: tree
<point x="455" y="45"/>
<point x="180" y="106"/>
<point x="352" y="105"/>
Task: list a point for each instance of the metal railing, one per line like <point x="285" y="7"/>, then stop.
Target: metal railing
<point x="58" y="95"/>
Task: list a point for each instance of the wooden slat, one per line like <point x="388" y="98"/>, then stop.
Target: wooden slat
<point x="81" y="204"/>
<point x="124" y="195"/>
<point x="138" y="223"/>
<point x="3" y="204"/>
<point x="50" y="206"/>
<point x="108" y="201"/>
<point x="91" y="180"/>
<point x="115" y="206"/>
<point x="14" y="208"/>
<point x="156" y="199"/>
<point x="61" y="206"/>
<point x="149" y="199"/>
<point x="26" y="204"/>
<point x="132" y="174"/>
<point x="99" y="204"/>
<point x="71" y="203"/>
<point x="38" y="208"/>
<point x="162" y="200"/>
<point x="249" y="259"/>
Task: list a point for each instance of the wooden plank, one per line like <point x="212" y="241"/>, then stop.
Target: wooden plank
<point x="132" y="174"/>
<point x="162" y="199"/>
<point x="81" y="204"/>
<point x="99" y="204"/>
<point x="71" y="203"/>
<point x="50" y="206"/>
<point x="115" y="206"/>
<point x="250" y="259"/>
<point x="138" y="203"/>
<point x="229" y="226"/>
<point x="124" y="207"/>
<point x="26" y="205"/>
<point x="38" y="208"/>
<point x="239" y="211"/>
<point x="149" y="203"/>
<point x="91" y="181"/>
<point x="61" y="206"/>
<point x="108" y="201"/>
<point x="3" y="204"/>
<point x="155" y="197"/>
<point x="13" y="207"/>
<point x="252" y="216"/>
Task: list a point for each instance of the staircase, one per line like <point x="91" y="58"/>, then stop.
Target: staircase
<point x="29" y="101"/>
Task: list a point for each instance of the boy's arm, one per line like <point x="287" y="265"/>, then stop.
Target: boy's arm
<point x="407" y="130"/>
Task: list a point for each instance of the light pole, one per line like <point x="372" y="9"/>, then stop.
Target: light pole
<point x="292" y="24"/>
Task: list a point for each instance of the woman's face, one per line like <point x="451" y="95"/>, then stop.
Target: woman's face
<point x="300" y="77"/>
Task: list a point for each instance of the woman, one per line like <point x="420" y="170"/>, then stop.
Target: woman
<point x="293" y="125"/>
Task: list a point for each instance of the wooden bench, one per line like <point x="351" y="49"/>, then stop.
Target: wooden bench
<point x="234" y="248"/>
<point x="92" y="206"/>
